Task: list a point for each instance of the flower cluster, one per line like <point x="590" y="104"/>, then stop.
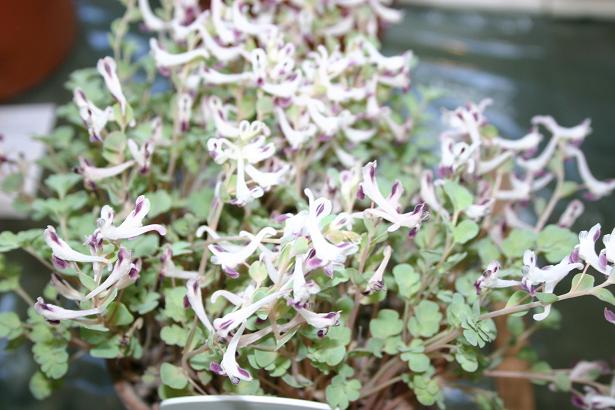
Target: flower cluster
<point x="108" y="259"/>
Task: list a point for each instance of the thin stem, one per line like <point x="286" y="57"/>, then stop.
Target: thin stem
<point x="552" y="201"/>
<point x="24" y="295"/>
<point x="369" y="392"/>
<point x="33" y="253"/>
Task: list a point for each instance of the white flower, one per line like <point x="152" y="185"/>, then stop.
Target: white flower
<point x="167" y="60"/>
<point x="575" y="134"/>
<point x="92" y="174"/>
<point x="222" y="27"/>
<point x="389" y="208"/>
<point x="108" y="70"/>
<point x="454" y="155"/>
<point x="230" y="321"/>
<point x="230" y="256"/>
<point x="480" y="210"/>
<point x="587" y="250"/>
<point x="593" y="400"/>
<point x="295" y="137"/>
<point x="539" y="163"/>
<point x="237" y="299"/>
<point x="609" y="245"/>
<point x="228" y="366"/>
<point x="64" y="252"/>
<point x="486" y="166"/>
<point x="94" y="118"/>
<point x="151" y="21"/>
<point x="522" y="188"/>
<point x="142" y="155"/>
<point x="529" y="142"/>
<point x="222" y="54"/>
<point x="467" y="121"/>
<point x="385" y="13"/>
<point x="321" y="321"/>
<point x="325" y="251"/>
<point x="121" y="269"/>
<point x="376" y="282"/>
<point x="596" y="188"/>
<point x="550" y="276"/>
<point x="574" y="209"/>
<point x="132" y="225"/>
<point x="491" y="278"/>
<point x="428" y="195"/>
<point x="170" y="270"/>
<point x="64" y="288"/>
<point x="243" y="25"/>
<point x="302" y="289"/>
<point x="55" y="313"/>
<point x="193" y="295"/>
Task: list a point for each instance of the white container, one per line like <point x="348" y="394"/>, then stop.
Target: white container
<point x="240" y="403"/>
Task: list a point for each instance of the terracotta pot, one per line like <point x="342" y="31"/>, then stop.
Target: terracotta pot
<point x="35" y="36"/>
<point x="239" y="403"/>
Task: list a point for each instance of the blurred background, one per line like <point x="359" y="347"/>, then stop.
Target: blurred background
<point x="531" y="57"/>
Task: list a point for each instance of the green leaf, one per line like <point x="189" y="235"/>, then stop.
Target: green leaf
<point x="264" y="358"/>
<point x="107" y="349"/>
<point x="62" y="183"/>
<point x="460" y="197"/>
<point x="604" y="295"/>
<point x="487" y="251"/>
<point x="52" y="357"/>
<point x="8" y="241"/>
<point x="562" y="381"/>
<point x="465" y="231"/>
<point x="114" y="146"/>
<point x="118" y="314"/>
<point x="517" y="242"/>
<point x="10" y="326"/>
<point x="466" y="359"/>
<point x="582" y="281"/>
<point x="258" y="271"/>
<point x="556" y="242"/>
<point x="415" y="357"/>
<point x="547" y="298"/>
<point x="174" y="304"/>
<point x="12" y="182"/>
<point x="387" y="324"/>
<point x="199" y="202"/>
<point x="408" y="281"/>
<point x="174" y="335"/>
<point x="40" y="386"/>
<point x="426" y="389"/>
<point x="426" y="319"/>
<point x="144" y="245"/>
<point x="160" y="201"/>
<point x="173" y="376"/>
<point x="341" y="392"/>
<point x="9" y="276"/>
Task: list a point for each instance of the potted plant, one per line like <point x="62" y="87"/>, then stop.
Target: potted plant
<point x="259" y="210"/>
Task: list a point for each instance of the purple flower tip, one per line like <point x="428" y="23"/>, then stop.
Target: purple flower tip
<point x="609" y="315"/>
<point x="216" y="368"/>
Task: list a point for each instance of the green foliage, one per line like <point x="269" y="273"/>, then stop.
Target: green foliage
<point x="426" y="319"/>
<point x="341" y="392"/>
<point x="556" y="242"/>
<point x="465" y="231"/>
<point x="173" y="376"/>
<point x="517" y="242"/>
<point x="460" y="196"/>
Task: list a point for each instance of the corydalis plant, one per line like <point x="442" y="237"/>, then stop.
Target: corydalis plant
<point x="298" y="241"/>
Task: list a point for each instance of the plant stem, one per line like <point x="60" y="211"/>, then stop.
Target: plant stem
<point x="369" y="392"/>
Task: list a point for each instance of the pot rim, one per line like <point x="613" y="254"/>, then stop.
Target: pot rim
<point x="246" y="398"/>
